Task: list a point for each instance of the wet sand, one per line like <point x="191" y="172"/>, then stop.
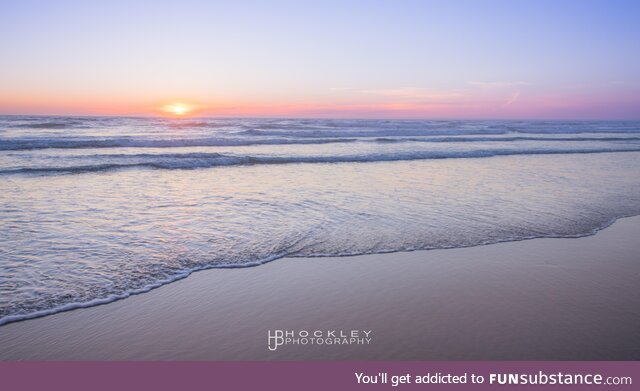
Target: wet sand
<point x="542" y="299"/>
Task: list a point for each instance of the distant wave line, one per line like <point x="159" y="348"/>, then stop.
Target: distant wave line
<point x="209" y="160"/>
<point x="65" y="143"/>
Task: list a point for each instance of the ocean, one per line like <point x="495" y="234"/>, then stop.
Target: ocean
<point x="94" y="209"/>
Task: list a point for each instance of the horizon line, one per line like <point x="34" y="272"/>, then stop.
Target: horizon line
<point x="180" y="118"/>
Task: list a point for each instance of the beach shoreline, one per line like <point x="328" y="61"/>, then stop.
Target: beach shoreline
<point x="539" y="299"/>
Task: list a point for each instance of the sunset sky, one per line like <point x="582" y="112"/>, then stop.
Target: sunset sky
<point x="359" y="59"/>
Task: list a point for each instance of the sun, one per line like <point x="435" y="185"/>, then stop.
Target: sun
<point x="177" y="109"/>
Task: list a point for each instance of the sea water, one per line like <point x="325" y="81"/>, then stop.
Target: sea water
<point x="93" y="209"/>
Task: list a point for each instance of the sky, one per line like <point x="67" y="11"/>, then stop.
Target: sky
<point x="540" y="59"/>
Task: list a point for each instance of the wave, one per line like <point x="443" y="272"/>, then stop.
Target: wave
<point x="208" y="160"/>
<point x="182" y="274"/>
<point x="462" y="139"/>
<point x="62" y="143"/>
<point x="128" y="142"/>
<point x="111" y="298"/>
<point x="52" y="125"/>
<point x="426" y="132"/>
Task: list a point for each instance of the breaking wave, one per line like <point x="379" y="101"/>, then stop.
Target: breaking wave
<point x="208" y="160"/>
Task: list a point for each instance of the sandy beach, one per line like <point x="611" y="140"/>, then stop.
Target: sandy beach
<point x="541" y="299"/>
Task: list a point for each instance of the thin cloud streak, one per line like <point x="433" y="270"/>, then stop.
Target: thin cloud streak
<point x="513" y="99"/>
<point x="498" y="84"/>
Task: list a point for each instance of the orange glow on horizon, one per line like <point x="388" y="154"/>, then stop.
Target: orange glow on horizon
<point x="469" y="103"/>
<point x="177" y="109"/>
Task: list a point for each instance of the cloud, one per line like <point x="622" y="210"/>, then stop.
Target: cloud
<point x="498" y="84"/>
<point x="514" y="97"/>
